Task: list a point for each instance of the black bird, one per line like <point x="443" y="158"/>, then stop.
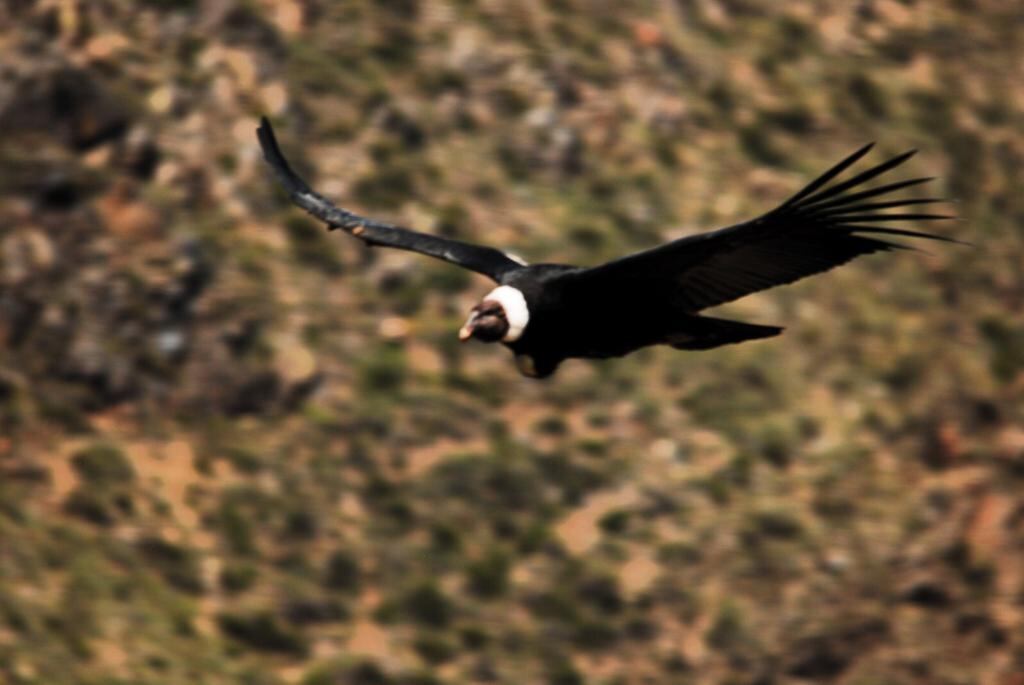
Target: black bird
<point x="547" y="313"/>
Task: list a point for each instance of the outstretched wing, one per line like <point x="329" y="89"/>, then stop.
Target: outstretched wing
<point x="817" y="229"/>
<point x="485" y="260"/>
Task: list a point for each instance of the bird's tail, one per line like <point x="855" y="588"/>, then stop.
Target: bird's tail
<point x="706" y="332"/>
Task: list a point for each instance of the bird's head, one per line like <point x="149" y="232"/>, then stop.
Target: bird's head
<point x="501" y="316"/>
<point x="487" y="322"/>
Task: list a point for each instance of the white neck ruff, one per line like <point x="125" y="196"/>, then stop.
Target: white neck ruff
<point x="516" y="311"/>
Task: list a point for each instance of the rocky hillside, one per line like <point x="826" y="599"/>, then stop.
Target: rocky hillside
<point x="235" y="448"/>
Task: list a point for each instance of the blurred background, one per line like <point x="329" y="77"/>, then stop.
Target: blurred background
<point x="235" y="448"/>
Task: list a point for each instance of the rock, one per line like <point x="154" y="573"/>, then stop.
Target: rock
<point x="124" y="215"/>
<point x="928" y="594"/>
<point x="56" y="99"/>
<point x="25" y="253"/>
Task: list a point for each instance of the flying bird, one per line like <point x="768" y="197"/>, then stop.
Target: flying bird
<point x="547" y="313"/>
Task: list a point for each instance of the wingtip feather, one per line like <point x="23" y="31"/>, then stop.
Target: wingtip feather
<point x="888" y="230"/>
<point x="273" y="155"/>
<point x="861" y="178"/>
<point x="265" y="134"/>
<point x="824" y="178"/>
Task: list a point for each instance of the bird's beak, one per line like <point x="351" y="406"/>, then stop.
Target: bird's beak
<point x="466" y="332"/>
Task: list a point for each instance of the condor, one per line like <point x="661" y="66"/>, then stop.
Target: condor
<point x="547" y="313"/>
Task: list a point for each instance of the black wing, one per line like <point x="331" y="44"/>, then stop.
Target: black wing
<point x="817" y="229"/>
<point x="485" y="260"/>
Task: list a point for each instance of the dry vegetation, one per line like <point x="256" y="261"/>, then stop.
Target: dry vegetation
<point x="237" y="449"/>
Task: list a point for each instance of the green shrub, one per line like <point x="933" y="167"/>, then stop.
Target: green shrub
<point x="434" y="648"/>
<point x="91" y="506"/>
<point x="342" y="572"/>
<point x="427" y="605"/>
<point x="345" y="671"/>
<point x="238" y="576"/>
<point x="178" y="565"/>
<point x="103" y="465"/>
<point x="262" y="631"/>
<point x="488" y="577"/>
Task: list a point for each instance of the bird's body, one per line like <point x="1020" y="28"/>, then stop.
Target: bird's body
<point x="570" y="318"/>
<point x="546" y="313"/>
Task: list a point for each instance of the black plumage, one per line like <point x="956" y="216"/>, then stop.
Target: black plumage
<point x="546" y="313"/>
